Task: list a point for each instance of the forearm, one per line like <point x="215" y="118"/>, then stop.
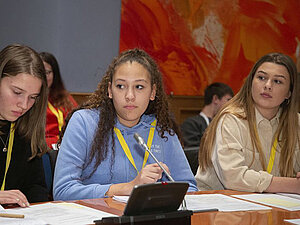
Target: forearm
<point x="120" y="189"/>
<point x="284" y="184"/>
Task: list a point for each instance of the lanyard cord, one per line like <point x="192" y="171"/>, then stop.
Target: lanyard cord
<point x="272" y="156"/>
<point x="59" y="115"/>
<point x="8" y="157"/>
<point x="127" y="150"/>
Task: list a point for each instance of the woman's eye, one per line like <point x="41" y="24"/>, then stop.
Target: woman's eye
<point x="278" y="81"/>
<point x="17" y="92"/>
<point x="120" y="86"/>
<point x="139" y="87"/>
<point x="261" y="77"/>
<point x="34" y="97"/>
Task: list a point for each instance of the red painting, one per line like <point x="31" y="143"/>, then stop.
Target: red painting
<point x="197" y="42"/>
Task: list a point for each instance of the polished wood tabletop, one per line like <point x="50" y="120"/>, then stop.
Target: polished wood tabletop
<point x="263" y="217"/>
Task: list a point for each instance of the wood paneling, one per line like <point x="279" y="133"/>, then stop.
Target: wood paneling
<point x="181" y="106"/>
<point x="80" y="97"/>
<point x="185" y="106"/>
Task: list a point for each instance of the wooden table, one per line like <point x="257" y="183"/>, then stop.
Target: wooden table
<point x="263" y="217"/>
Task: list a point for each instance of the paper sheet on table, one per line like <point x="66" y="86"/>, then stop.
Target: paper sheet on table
<point x="55" y="213"/>
<point x="222" y="202"/>
<point x="121" y="198"/>
<point x="213" y="201"/>
<point x="293" y="221"/>
<point x="296" y="196"/>
<point x="279" y="201"/>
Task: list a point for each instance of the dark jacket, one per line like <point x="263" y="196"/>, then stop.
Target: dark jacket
<point x="23" y="174"/>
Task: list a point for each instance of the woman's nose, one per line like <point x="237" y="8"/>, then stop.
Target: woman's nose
<point x="130" y="95"/>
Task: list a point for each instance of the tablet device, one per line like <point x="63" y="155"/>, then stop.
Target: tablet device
<point x="154" y="198"/>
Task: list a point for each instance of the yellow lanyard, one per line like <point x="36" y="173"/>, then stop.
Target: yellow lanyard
<point x="272" y="156"/>
<point x="8" y="157"/>
<point x="127" y="150"/>
<point x="59" y="115"/>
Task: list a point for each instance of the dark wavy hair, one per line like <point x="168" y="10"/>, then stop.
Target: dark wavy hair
<point x="107" y="118"/>
<point x="58" y="95"/>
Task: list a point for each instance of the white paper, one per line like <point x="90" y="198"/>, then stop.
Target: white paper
<point x="213" y="201"/>
<point x="121" y="198"/>
<point x="56" y="213"/>
<point x="275" y="200"/>
<point x="221" y="202"/>
<point x="293" y="221"/>
<point x="296" y="196"/>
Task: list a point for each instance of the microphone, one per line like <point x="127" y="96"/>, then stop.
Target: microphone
<point x="141" y="142"/>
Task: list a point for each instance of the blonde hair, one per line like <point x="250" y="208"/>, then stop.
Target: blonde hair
<point x="16" y="59"/>
<point x="287" y="134"/>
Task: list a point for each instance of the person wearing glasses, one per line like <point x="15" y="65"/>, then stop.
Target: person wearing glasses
<point x="60" y="102"/>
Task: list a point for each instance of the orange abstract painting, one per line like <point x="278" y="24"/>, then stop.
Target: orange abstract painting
<point x="197" y="42"/>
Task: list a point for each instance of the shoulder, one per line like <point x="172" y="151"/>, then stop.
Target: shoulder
<point x="86" y="115"/>
<point x="193" y="119"/>
<point x="233" y="120"/>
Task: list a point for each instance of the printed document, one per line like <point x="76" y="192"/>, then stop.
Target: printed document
<point x="55" y="213"/>
<point x="275" y="200"/>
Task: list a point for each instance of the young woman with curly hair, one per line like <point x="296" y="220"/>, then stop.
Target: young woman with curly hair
<point x="99" y="156"/>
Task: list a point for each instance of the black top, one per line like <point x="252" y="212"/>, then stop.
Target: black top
<point x="192" y="130"/>
<point x="24" y="175"/>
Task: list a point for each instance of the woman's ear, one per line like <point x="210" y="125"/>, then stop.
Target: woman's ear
<point x="153" y="92"/>
<point x="109" y="90"/>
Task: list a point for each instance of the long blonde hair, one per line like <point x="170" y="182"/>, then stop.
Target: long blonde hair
<point x="287" y="134"/>
<point x="16" y="59"/>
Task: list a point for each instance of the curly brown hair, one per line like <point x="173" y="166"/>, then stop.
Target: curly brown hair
<point x="107" y="117"/>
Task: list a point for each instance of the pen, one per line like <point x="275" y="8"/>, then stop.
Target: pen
<point x="10" y="215"/>
<point x="206" y="210"/>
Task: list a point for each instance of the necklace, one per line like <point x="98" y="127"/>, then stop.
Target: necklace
<point x="5" y="144"/>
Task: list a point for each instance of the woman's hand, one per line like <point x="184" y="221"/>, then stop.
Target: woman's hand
<point x="13" y="197"/>
<point x="149" y="174"/>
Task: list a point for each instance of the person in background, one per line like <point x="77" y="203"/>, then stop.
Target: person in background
<point x="193" y="128"/>
<point x="23" y="99"/>
<point x="99" y="155"/>
<point x="60" y="102"/>
<point x="252" y="144"/>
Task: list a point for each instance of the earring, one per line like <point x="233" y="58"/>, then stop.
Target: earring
<point x="287" y="100"/>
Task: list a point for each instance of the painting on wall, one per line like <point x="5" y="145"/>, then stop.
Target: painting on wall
<point x="197" y="42"/>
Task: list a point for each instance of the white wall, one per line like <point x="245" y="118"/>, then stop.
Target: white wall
<point x="82" y="34"/>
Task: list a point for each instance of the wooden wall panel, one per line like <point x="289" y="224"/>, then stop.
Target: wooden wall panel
<point x="181" y="106"/>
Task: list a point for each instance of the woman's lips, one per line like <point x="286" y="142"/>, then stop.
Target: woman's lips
<point x="265" y="95"/>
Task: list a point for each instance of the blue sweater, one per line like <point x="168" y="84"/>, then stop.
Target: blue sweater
<point x="71" y="173"/>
